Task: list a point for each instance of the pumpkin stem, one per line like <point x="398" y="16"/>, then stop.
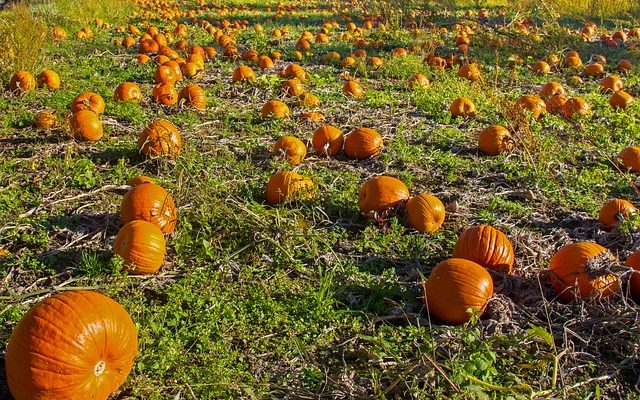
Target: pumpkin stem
<point x="99" y="368"/>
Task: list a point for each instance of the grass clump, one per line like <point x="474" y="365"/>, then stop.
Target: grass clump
<point x="22" y="40"/>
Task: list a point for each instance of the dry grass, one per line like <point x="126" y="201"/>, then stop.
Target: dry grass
<point x="84" y="13"/>
<point x="22" y="39"/>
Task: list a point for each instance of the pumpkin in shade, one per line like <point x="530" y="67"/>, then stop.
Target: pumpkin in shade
<point x="541" y="68"/>
<point x="88" y="101"/>
<point x="594" y="70"/>
<point x="487" y="246"/>
<point x="353" y="89"/>
<point x="45" y="120"/>
<point x="21" y="82"/>
<point x="160" y="138"/>
<point x="425" y="213"/>
<point x="142" y="246"/>
<point x="614" y="212"/>
<point x="275" y="109"/>
<point x="620" y="99"/>
<point x="85" y="126"/>
<point x="128" y="91"/>
<point x="454" y="286"/>
<point x="194" y="96"/>
<point x="327" y="140"/>
<point x="630" y="158"/>
<point x="165" y="94"/>
<point x="149" y="202"/>
<point x="363" y="143"/>
<point x="494" y="140"/>
<point x="579" y="270"/>
<point x="624" y="66"/>
<point x="381" y="193"/>
<point x="462" y="107"/>
<point x="75" y="345"/>
<point x="48" y="78"/>
<point x="286" y="185"/>
<point x="633" y="261"/>
<point x="292" y="148"/>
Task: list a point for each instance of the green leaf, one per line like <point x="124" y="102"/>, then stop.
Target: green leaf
<point x="541" y="333"/>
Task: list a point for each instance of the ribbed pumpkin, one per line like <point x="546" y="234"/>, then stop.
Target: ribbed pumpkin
<point x="286" y="185"/>
<point x="194" y="96"/>
<point x="614" y="212"/>
<point x="149" y="202"/>
<point x="292" y="87"/>
<point x="21" y="82"/>
<point x="88" y="101"/>
<point x="142" y="246"/>
<point x="574" y="272"/>
<point x="555" y="103"/>
<point x="381" y="193"/>
<point x="165" y="94"/>
<point x="353" y="89"/>
<point x="633" y="261"/>
<point x="48" y="78"/>
<point x="275" y="109"/>
<point x="76" y="345"/>
<point x="327" y="140"/>
<point x="594" y="70"/>
<point x="160" y="138"/>
<point x="630" y="158"/>
<point x="291" y="148"/>
<point x="165" y="74"/>
<point x="454" y="286"/>
<point x="494" y="140"/>
<point x="294" y="71"/>
<point x="462" y="107"/>
<point x="45" y="120"/>
<point x="265" y="62"/>
<point x="85" y="126"/>
<point x="128" y="91"/>
<point x="363" y="143"/>
<point x="425" y="213"/>
<point x="611" y="83"/>
<point x="243" y="73"/>
<point x="487" y="246"/>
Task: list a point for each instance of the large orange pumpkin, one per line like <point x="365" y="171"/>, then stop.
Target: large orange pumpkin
<point x="614" y="212"/>
<point x="620" y="99"/>
<point x="551" y="89"/>
<point x="243" y="73"/>
<point x="275" y="109"/>
<point x="363" y="143"/>
<point x="165" y="94"/>
<point x="88" y="101"/>
<point x="327" y="140"/>
<point x="285" y="185"/>
<point x="487" y="246"/>
<point x="149" y="202"/>
<point x="455" y="286"/>
<point x="425" y="213"/>
<point x="574" y="272"/>
<point x="85" y="126"/>
<point x="353" y="89"/>
<point x="142" y="246"/>
<point x="381" y="193"/>
<point x="160" y="138"/>
<point x="76" y="345"/>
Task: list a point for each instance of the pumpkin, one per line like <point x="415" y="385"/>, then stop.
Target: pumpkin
<point x="264" y="62"/>
<point x="128" y="91"/>
<point x="294" y="71"/>
<point x="176" y="69"/>
<point x="363" y="143"/>
<point x="75" y="345"/>
<point x="425" y="213"/>
<point x="624" y="66"/>
<point x="620" y="99"/>
<point x="85" y="126"/>
<point x="143" y="58"/>
<point x="418" y="81"/>
<point x="551" y="89"/>
<point x="22" y="82"/>
<point x="353" y="89"/>
<point x="292" y="148"/>
<point x="576" y="106"/>
<point x="494" y="140"/>
<point x="142" y="246"/>
<point x="243" y="73"/>
<point x="139" y="180"/>
<point x="275" y="109"/>
<point x="250" y="55"/>
<point x="308" y="100"/>
<point x="45" y="120"/>
<point x="149" y="202"/>
<point x="58" y="33"/>
<point x="375" y="62"/>
<point x="614" y="212"/>
<point x="594" y="70"/>
<point x="292" y="87"/>
<point x="633" y="261"/>
<point x="470" y="72"/>
<point x="189" y="70"/>
<point x="541" y="68"/>
<point x="611" y="83"/>
<point x="165" y="74"/>
<point x="285" y="185"/>
<point x="327" y="140"/>
<point x="88" y="101"/>
<point x="574" y="272"/>
<point x="148" y="46"/>
<point x="575" y="81"/>
<point x="554" y="103"/>
<point x="487" y="246"/>
<point x="165" y="94"/>
<point x="194" y="96"/>
<point x="462" y="107"/>
<point x="454" y="286"/>
<point x="128" y="42"/>
<point x="381" y="193"/>
<point x="630" y="158"/>
<point x="160" y="138"/>
<point x="573" y="62"/>
<point x="532" y="104"/>
<point x="438" y="63"/>
<point x="48" y="78"/>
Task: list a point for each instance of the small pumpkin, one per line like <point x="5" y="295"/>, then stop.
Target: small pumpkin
<point x="425" y="213"/>
<point x="312" y="116"/>
<point x="630" y="158"/>
<point x="45" y="120"/>
<point x="327" y="140"/>
<point x="494" y="140"/>
<point x="554" y="103"/>
<point x="292" y="148"/>
<point x="381" y="193"/>
<point x="48" y="78"/>
<point x="541" y="68"/>
<point x="22" y="82"/>
<point x="454" y="286"/>
<point x="363" y="143"/>
<point x="573" y="62"/>
<point x="165" y="74"/>
<point x="614" y="212"/>
<point x="418" y="81"/>
<point x="128" y="91"/>
<point x="88" y="101"/>
<point x="294" y="71"/>
<point x="292" y="88"/>
<point x="353" y="89"/>
<point x="75" y="345"/>
<point x="149" y="202"/>
<point x="487" y="246"/>
<point x="624" y="66"/>
<point x="620" y="99"/>
<point x="594" y="70"/>
<point x="165" y="94"/>
<point x="194" y="96"/>
<point x="575" y="272"/>
<point x="160" y="138"/>
<point x="275" y="109"/>
<point x="142" y="245"/>
<point x="265" y="62"/>
<point x="285" y="185"/>
<point x="462" y="107"/>
<point x="85" y="126"/>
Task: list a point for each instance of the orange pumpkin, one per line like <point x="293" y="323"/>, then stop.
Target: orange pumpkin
<point x="633" y="261"/>
<point x="88" y="101"/>
<point x="554" y="103"/>
<point x="418" y="81"/>
<point x="575" y="272"/>
<point x="487" y="246"/>
<point x="425" y="213"/>
<point x="630" y="158"/>
<point x="551" y="89"/>
<point x="292" y="87"/>
<point x="194" y="96"/>
<point x="48" y="78"/>
<point x="576" y="106"/>
<point x="294" y="71"/>
<point x="45" y="120"/>
<point x="85" y="126"/>
<point x="620" y="99"/>
<point x="165" y="74"/>
<point x="624" y="66"/>
<point x="243" y="73"/>
<point x="363" y="143"/>
<point x="160" y="138"/>
<point x="353" y="89"/>
<point x="462" y="107"/>
<point x="75" y="345"/>
<point x="285" y="185"/>
<point x="594" y="70"/>
<point x="541" y="68"/>
<point x="455" y="286"/>
<point x="128" y="91"/>
<point x="532" y="104"/>
<point x="142" y="246"/>
<point x="327" y="140"/>
<point x="149" y="202"/>
<point x="22" y="82"/>
<point x="165" y="94"/>
<point x="611" y="83"/>
<point x="381" y="193"/>
<point x="573" y="62"/>
<point x="614" y="212"/>
<point x="275" y="109"/>
<point x="470" y="72"/>
<point x="292" y="148"/>
<point x="494" y="140"/>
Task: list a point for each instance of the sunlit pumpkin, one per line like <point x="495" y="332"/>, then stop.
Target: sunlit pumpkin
<point x="160" y="138"/>
<point x="88" y="101"/>
<point x="614" y="212"/>
<point x="85" y="126"/>
<point x="494" y="140"/>
<point x="620" y="99"/>
<point x="425" y="212"/>
<point x="381" y="193"/>
<point x="291" y="148"/>
<point x="629" y="157"/>
<point x="462" y="107"/>
<point x="142" y="246"/>
<point x="287" y="185"/>
<point x="327" y="140"/>
<point x="194" y="96"/>
<point x="149" y="202"/>
<point x="22" y="82"/>
<point x="275" y="109"/>
<point x="128" y="91"/>
<point x="487" y="246"/>
<point x="363" y="143"/>
<point x="48" y="78"/>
